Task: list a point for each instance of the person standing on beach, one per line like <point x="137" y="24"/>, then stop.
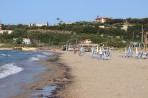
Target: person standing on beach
<point x="81" y="52"/>
<point x="74" y="50"/>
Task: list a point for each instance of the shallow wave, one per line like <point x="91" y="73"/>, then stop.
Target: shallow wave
<point x="34" y="59"/>
<point x="41" y="56"/>
<point x="9" y="69"/>
<point x="4" y="55"/>
<point x="47" y="53"/>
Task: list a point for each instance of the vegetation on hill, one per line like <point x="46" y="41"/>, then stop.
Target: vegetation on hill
<point x="110" y="33"/>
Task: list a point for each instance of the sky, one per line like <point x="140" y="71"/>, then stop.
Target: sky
<point x="41" y="11"/>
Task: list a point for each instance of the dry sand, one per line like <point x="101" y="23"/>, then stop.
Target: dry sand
<point x="115" y="78"/>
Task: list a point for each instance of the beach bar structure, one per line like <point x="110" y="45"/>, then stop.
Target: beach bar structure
<point x="87" y="47"/>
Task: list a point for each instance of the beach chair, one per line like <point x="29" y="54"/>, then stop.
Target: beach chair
<point x="125" y="53"/>
<point x="100" y="57"/>
<point x="137" y="56"/>
<point x="129" y="55"/>
<point x="107" y="56"/>
<point x="144" y="56"/>
<point x="101" y="54"/>
<point x="93" y="53"/>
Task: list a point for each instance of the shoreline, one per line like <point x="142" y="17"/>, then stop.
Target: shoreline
<point x="59" y="76"/>
<point x="6" y="48"/>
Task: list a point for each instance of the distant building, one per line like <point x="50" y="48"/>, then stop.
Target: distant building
<point x="125" y="26"/>
<point x="38" y="24"/>
<point x="102" y="19"/>
<point x="9" y="31"/>
<point x="102" y="27"/>
<point x="26" y="41"/>
<point x="67" y="23"/>
<point x="2" y="31"/>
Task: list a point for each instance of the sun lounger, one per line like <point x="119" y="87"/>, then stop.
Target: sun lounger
<point x="144" y="56"/>
<point x="100" y="57"/>
<point x="124" y="54"/>
<point x="107" y="57"/>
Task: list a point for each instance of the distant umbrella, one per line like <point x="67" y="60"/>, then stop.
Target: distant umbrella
<point x="92" y="50"/>
<point x="108" y="52"/>
<point x="136" y="51"/>
<point x="100" y="52"/>
<point x="97" y="49"/>
<point x="129" y="50"/>
<point x="125" y="50"/>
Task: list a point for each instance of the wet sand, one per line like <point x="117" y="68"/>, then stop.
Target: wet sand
<point x="115" y="78"/>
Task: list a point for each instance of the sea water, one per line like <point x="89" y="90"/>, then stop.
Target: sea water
<point x="18" y="68"/>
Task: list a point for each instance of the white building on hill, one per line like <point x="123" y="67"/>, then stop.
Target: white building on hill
<point x="26" y="41"/>
<point x="102" y="19"/>
<point x="38" y="24"/>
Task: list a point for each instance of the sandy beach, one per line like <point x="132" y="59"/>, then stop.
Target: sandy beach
<point x="115" y="78"/>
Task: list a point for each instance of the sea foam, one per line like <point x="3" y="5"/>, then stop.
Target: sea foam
<point x="9" y="69"/>
<point x="41" y="56"/>
<point x="4" y="55"/>
<point x="47" y="53"/>
<point x="34" y="59"/>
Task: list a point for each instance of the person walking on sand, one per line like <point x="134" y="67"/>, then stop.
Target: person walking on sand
<point x="81" y="52"/>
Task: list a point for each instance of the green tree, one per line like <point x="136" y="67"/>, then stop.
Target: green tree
<point x="5" y="35"/>
<point x="19" y="40"/>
